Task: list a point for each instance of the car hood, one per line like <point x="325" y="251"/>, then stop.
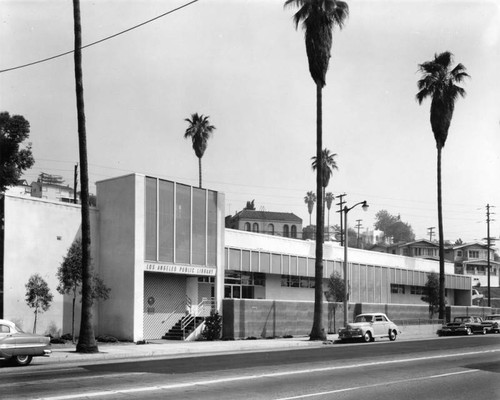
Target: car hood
<point x="358" y="325"/>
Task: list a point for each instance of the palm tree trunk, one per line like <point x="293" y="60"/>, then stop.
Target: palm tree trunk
<point x="441" y="238"/>
<point x="73" y="320"/>
<point x="317" y="331"/>
<point x="199" y="170"/>
<point x="86" y="341"/>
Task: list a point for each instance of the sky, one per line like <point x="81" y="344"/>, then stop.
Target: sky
<point x="244" y="65"/>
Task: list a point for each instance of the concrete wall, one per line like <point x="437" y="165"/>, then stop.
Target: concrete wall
<point x="121" y="206"/>
<point x="243" y="318"/>
<point x="38" y="234"/>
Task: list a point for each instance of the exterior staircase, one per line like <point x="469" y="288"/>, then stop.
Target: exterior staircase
<point x="183" y="328"/>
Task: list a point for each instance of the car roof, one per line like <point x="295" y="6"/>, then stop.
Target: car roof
<point x="6" y="322"/>
<point x="373" y="313"/>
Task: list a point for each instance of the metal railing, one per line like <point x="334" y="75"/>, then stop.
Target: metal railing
<point x="202" y="309"/>
<point x="183" y="306"/>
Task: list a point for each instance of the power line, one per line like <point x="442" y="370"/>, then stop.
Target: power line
<point x="101" y="40"/>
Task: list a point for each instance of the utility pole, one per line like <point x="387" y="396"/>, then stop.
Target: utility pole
<point x="488" y="239"/>
<point x="341" y="204"/>
<point x="75" y="183"/>
<point x="431" y="232"/>
<point x="358" y="225"/>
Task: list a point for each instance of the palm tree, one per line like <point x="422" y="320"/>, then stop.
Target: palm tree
<point x="329" y="197"/>
<point x="329" y="164"/>
<point x="318" y="18"/>
<point x="199" y="131"/>
<point x="439" y="83"/>
<point x="86" y="340"/>
<point x="310" y="199"/>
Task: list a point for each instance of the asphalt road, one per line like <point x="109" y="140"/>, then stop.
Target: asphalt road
<point x="442" y="368"/>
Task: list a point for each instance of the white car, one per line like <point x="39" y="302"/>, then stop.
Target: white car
<point x="367" y="327"/>
<point x="20" y="347"/>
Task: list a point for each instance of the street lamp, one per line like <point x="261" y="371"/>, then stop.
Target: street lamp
<point x="346" y="209"/>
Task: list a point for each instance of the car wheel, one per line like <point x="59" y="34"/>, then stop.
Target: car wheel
<point x="392" y="335"/>
<point x="468" y="331"/>
<point x="21" y="360"/>
<point x="484" y="331"/>
<point x="367" y="337"/>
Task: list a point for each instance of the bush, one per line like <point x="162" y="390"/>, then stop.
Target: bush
<point x="67" y="336"/>
<point x="213" y="326"/>
<point x="106" y="339"/>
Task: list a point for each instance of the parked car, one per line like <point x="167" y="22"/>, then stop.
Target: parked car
<point x="367" y="327"/>
<point x="492" y="322"/>
<point x="20" y="347"/>
<point x="464" y="325"/>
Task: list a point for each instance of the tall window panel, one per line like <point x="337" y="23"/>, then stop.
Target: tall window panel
<point x="166" y="221"/>
<point x="183" y="224"/>
<point x="199" y="227"/>
<point x="151" y="228"/>
<point x="212" y="229"/>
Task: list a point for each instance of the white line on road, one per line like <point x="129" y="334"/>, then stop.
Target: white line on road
<point x="385" y="383"/>
<point x="262" y="376"/>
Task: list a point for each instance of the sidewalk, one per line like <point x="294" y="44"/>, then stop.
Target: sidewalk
<point x="177" y="349"/>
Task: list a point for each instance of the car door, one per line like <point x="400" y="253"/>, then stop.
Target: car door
<point x="380" y="325"/>
<point x="7" y="341"/>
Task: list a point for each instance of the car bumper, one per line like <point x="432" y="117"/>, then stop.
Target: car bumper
<point x="345" y="335"/>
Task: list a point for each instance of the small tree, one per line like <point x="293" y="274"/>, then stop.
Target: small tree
<point x="213" y="326"/>
<point x="38" y="296"/>
<point x="432" y="293"/>
<point x="69" y="275"/>
<point x="336" y="290"/>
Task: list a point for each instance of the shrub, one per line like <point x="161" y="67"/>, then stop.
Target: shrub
<point x="213" y="326"/>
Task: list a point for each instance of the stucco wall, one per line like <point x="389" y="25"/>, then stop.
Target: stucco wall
<point x="38" y="234"/>
<point x="121" y="250"/>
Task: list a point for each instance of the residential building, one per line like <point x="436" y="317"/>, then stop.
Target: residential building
<point x="52" y="191"/>
<point x="472" y="259"/>
<point x="268" y="222"/>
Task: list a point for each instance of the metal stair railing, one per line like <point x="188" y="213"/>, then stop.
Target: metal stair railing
<point x="182" y="307"/>
<point x="203" y="309"/>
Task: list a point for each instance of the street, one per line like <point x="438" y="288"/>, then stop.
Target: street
<point x="444" y="368"/>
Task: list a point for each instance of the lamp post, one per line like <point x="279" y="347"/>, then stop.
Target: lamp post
<point x="346" y="244"/>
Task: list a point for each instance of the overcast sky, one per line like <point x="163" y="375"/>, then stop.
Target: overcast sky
<point x="244" y="64"/>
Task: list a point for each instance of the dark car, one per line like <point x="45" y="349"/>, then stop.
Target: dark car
<point x="492" y="323"/>
<point x="20" y="347"/>
<point x="464" y="325"/>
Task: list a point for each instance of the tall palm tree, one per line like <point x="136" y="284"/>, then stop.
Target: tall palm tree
<point x="86" y="340"/>
<point x="318" y="18"/>
<point x="199" y="131"/>
<point x="438" y="82"/>
<point x="329" y="197"/>
<point x="310" y="199"/>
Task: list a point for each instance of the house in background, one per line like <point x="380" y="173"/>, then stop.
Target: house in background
<point x="419" y="248"/>
<point x="267" y="222"/>
<point x="52" y="191"/>
<point x="472" y="259"/>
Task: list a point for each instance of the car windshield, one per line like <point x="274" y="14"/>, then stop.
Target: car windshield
<point x="364" y="318"/>
<point x="493" y="317"/>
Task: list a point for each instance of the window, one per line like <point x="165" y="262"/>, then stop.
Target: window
<point x="297" y="281"/>
<point x="255" y="227"/>
<point x="294" y="231"/>
<point x="248" y="227"/>
<point x="419" y="290"/>
<point x="242" y="284"/>
<point x="270" y="229"/>
<point x="473" y="253"/>
<point x="286" y="231"/>
<point x="459" y="253"/>
<point x="398" y="289"/>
